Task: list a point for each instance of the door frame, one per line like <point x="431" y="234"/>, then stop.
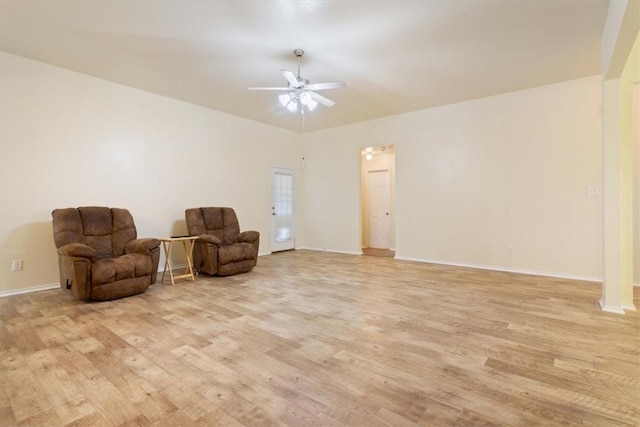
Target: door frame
<point x="386" y="161"/>
<point x="272" y="243"/>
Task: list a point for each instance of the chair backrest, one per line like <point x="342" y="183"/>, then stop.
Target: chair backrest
<point x="219" y="222"/>
<point x="107" y="230"/>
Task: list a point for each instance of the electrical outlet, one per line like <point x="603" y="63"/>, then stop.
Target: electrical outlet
<point x="16" y="265"/>
<point x="592" y="191"/>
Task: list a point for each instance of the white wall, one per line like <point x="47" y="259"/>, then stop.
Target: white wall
<point x="473" y="179"/>
<point x="68" y="139"/>
<point x="636" y="183"/>
<point x="629" y="122"/>
<point x="630" y="132"/>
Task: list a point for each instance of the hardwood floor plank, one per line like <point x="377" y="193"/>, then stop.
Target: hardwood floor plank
<point x="316" y="338"/>
<point x="6" y="412"/>
<point x="155" y="407"/>
<point x="439" y="414"/>
<point x="22" y="387"/>
<point x="86" y="370"/>
<point x="392" y="419"/>
<point x="67" y="400"/>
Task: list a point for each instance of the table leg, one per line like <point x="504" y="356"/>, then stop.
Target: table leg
<point x="167" y="261"/>
<point x="188" y="250"/>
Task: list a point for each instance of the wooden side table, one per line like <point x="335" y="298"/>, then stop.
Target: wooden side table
<point x="188" y="243"/>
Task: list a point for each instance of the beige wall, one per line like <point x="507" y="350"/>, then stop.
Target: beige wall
<point x="630" y="87"/>
<point x="474" y="179"/>
<point x="636" y="184"/>
<point x="68" y="139"/>
<point x="630" y="120"/>
<point x="630" y="82"/>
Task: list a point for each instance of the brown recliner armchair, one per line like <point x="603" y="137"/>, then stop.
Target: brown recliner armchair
<point x="99" y="255"/>
<point x="221" y="248"/>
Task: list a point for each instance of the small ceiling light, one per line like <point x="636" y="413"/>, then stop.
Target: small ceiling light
<point x="305" y="98"/>
<point x="292" y="106"/>
<point x="312" y="105"/>
<point x="369" y="156"/>
<point x="284" y="99"/>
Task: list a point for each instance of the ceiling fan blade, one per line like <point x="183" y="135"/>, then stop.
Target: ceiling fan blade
<point x="268" y="88"/>
<point x="291" y="78"/>
<point x="321" y="99"/>
<point x="328" y="85"/>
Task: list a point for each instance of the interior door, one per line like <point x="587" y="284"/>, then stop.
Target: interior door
<point x="282" y="209"/>
<point x="379" y="198"/>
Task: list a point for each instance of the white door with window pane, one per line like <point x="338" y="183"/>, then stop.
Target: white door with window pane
<point x="282" y="209"/>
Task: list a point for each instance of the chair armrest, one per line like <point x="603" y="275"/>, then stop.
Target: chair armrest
<point x="209" y="238"/>
<point x="77" y="250"/>
<point x="141" y="246"/>
<point x="247" y="237"/>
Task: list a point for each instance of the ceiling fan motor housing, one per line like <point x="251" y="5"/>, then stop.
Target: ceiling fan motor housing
<point x="302" y="82"/>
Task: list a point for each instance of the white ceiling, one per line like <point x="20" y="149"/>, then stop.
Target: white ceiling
<point x="395" y="56"/>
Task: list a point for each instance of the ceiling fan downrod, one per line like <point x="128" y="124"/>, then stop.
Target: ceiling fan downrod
<point x="298" y="53"/>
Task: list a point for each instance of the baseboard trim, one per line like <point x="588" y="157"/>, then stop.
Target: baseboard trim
<point x="57" y="285"/>
<point x="507" y="270"/>
<point x="611" y="308"/>
<point x="629" y="307"/>
<point x="335" y="251"/>
<point x="29" y="290"/>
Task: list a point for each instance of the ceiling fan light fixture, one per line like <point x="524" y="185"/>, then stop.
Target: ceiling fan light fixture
<point x="308" y="101"/>
<point x="292" y="106"/>
<point x="284" y="99"/>
<point x="305" y="98"/>
<point x="300" y="91"/>
<point x="312" y="105"/>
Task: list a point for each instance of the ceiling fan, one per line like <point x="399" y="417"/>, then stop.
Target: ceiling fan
<point x="300" y="92"/>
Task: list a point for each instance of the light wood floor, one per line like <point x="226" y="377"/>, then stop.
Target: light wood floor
<point x="387" y="253"/>
<point x="311" y="338"/>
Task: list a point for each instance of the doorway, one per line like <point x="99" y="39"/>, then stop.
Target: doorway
<point x="282" y="209"/>
<point x="378" y="200"/>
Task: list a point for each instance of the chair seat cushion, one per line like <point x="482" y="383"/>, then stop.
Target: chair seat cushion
<point x="124" y="267"/>
<point x="235" y="252"/>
